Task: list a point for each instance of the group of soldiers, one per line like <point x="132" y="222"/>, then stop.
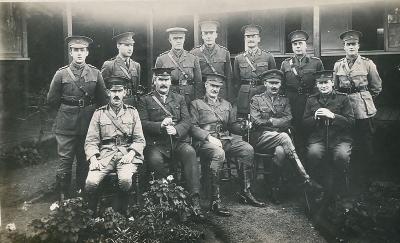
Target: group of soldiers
<point x="200" y="106"/>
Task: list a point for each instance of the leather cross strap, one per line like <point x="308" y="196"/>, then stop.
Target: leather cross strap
<point x="125" y="71"/>
<point x="162" y="106"/>
<point x="209" y="64"/>
<point x="178" y="66"/>
<point x="74" y="80"/>
<point x="249" y="62"/>
<point x="116" y="123"/>
<point x="216" y="114"/>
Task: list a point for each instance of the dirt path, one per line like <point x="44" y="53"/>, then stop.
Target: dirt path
<point x="283" y="223"/>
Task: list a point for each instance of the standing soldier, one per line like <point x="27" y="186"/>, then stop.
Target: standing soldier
<point x="299" y="81"/>
<point x="114" y="142"/>
<point x="271" y="118"/>
<point x="166" y="124"/>
<point x="123" y="66"/>
<point x="247" y="67"/>
<point x="328" y="117"/>
<point x="74" y="91"/>
<point x="186" y="74"/>
<point x="213" y="119"/>
<point x="358" y="77"/>
<point x="214" y="58"/>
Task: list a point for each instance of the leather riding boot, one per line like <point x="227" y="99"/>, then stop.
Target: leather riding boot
<point x="275" y="185"/>
<point x="196" y="206"/>
<point x="215" y="202"/>
<point x="63" y="182"/>
<point x="122" y="202"/>
<point x="92" y="200"/>
<point x="246" y="196"/>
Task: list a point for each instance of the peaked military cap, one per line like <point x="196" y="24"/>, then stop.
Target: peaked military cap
<point x="298" y="35"/>
<point x="209" y="25"/>
<point x="272" y="75"/>
<point x="116" y="82"/>
<point x="176" y="30"/>
<point x="352" y="36"/>
<point x="215" y="78"/>
<point x="125" y="38"/>
<point x="78" y="41"/>
<point x="251" y="29"/>
<point x="161" y="72"/>
<point x="323" y="75"/>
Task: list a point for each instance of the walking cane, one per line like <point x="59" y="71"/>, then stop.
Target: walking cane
<point x="248" y="128"/>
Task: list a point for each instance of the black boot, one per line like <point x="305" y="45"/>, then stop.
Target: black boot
<point x="246" y="196"/>
<point x="63" y="182"/>
<point x="274" y="183"/>
<point x="215" y="202"/>
<point x="92" y="200"/>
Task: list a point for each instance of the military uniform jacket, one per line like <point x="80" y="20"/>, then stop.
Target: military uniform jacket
<point x="364" y="74"/>
<point x="101" y="128"/>
<point x="189" y="63"/>
<point x="117" y="67"/>
<point x="242" y="71"/>
<point x="74" y="120"/>
<point x="152" y="115"/>
<point x="300" y="74"/>
<point x="206" y="115"/>
<point x="220" y="59"/>
<point x="264" y="108"/>
<point x="339" y="129"/>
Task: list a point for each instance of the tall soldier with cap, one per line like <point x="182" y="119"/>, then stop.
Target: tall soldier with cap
<point x="214" y="58"/>
<point x="122" y="65"/>
<point x="75" y="91"/>
<point x="271" y="118"/>
<point x="114" y="142"/>
<point x="247" y="67"/>
<point x="166" y="124"/>
<point x="299" y="81"/>
<point x="358" y="77"/>
<point x="213" y="120"/>
<point x="328" y="117"/>
<point x="186" y="74"/>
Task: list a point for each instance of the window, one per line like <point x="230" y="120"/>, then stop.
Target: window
<point x="11" y="31"/>
<point x="369" y="19"/>
<point x="299" y="19"/>
<point x="393" y="28"/>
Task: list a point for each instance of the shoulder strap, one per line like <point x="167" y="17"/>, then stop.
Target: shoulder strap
<point x="178" y="66"/>
<point x="209" y="63"/>
<point x="125" y="71"/>
<point x="249" y="62"/>
<point x="116" y="123"/>
<point x="215" y="113"/>
<point x="162" y="106"/>
<point x="74" y="81"/>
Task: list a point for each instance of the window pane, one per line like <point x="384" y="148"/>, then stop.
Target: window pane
<point x="394" y="28"/>
<point x="299" y="19"/>
<point x="10" y="30"/>
<point x="272" y="34"/>
<point x="369" y="19"/>
<point x="334" y="20"/>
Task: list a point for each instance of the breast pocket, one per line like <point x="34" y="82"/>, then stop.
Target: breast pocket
<point x="128" y="123"/>
<point x="154" y="113"/>
<point x="107" y="128"/>
<point x="360" y="78"/>
<point x="261" y="66"/>
<point x="206" y="115"/>
<point x="188" y="68"/>
<point x="279" y="108"/>
<point x="245" y="70"/>
<point x="265" y="110"/>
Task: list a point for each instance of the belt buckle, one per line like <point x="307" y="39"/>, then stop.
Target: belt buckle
<point x="183" y="82"/>
<point x="81" y="103"/>
<point x="300" y="90"/>
<point x="118" y="140"/>
<point x="253" y="83"/>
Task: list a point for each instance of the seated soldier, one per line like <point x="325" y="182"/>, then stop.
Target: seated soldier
<point x="213" y="119"/>
<point x="166" y="125"/>
<point x="271" y="116"/>
<point x="114" y="142"/>
<point x="328" y="117"/>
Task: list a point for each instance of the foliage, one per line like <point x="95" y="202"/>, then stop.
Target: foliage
<point x="159" y="219"/>
<point x="24" y="154"/>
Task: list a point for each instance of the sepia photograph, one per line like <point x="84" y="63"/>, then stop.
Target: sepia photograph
<point x="210" y="121"/>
